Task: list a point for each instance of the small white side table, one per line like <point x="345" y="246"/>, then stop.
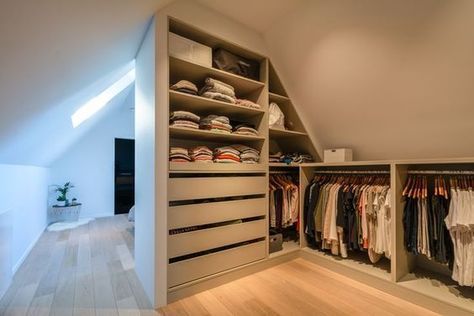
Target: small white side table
<point x="64" y="213"/>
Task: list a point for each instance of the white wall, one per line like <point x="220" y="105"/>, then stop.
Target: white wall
<point x="392" y="79"/>
<point x="24" y="192"/>
<point x="89" y="164"/>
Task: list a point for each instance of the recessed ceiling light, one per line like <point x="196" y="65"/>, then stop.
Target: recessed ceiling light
<point x="97" y="103"/>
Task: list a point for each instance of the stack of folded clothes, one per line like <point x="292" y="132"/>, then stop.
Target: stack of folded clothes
<point x="303" y="158"/>
<point x="275" y="158"/>
<point x="216" y="123"/>
<point x="185" y="87"/>
<point x="184" y="119"/>
<point x="296" y="158"/>
<point x="179" y="154"/>
<point x="247" y="154"/>
<point x="217" y="90"/>
<point x="248" y="104"/>
<point x="245" y="129"/>
<point x="227" y="154"/>
<point x="201" y="154"/>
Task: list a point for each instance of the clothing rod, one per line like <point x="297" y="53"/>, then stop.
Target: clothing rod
<point x="352" y="171"/>
<point x="434" y="172"/>
<point x="283" y="172"/>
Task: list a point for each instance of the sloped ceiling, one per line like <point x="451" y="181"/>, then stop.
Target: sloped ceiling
<point x="54" y="56"/>
<point x="259" y="15"/>
<point x="390" y="79"/>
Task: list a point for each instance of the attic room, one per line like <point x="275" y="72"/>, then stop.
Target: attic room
<point x="179" y="157"/>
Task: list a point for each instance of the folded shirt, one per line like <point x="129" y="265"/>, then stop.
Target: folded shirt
<point x="179" y="150"/>
<point x="201" y="154"/>
<point x="184" y="123"/>
<point x="184" y="115"/>
<point x="248" y="104"/>
<point x="185" y="86"/>
<point x="245" y="149"/>
<point x="218" y="118"/>
<point x="179" y="154"/>
<point x="244" y="129"/>
<point x="226" y="149"/>
<point x="213" y="85"/>
<point x="218" y="96"/>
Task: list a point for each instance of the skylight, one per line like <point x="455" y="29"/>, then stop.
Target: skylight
<point x="97" y="103"/>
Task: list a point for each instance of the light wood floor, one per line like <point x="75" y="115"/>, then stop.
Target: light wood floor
<point x="294" y="288"/>
<point x="89" y="271"/>
<point x="84" y="271"/>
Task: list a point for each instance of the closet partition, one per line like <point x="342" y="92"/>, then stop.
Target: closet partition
<point x="357" y="259"/>
<point x="421" y="271"/>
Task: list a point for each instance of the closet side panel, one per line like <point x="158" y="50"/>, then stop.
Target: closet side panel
<point x="162" y="152"/>
<point x="402" y="262"/>
<point x="145" y="231"/>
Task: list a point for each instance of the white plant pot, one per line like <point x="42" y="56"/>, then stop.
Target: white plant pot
<point x="61" y="203"/>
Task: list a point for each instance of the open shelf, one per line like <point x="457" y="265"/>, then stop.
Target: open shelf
<point x="197" y="167"/>
<point x="357" y="261"/>
<point x="189" y="102"/>
<point x="200" y="134"/>
<point x="288" y="246"/>
<point x="277" y="98"/>
<point x="181" y="69"/>
<point x="284" y="165"/>
<point x="276" y="132"/>
<point x="439" y="287"/>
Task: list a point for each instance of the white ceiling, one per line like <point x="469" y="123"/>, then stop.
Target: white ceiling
<point x="258" y="15"/>
<point x="390" y="79"/>
<point x="52" y="52"/>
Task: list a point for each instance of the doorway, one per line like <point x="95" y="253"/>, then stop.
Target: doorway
<point x="124" y="175"/>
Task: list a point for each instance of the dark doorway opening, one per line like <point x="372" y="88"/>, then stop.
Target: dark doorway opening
<point x="124" y="175"/>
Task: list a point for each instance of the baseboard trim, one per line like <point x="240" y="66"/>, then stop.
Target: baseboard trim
<point x="383" y="284"/>
<point x="22" y="259"/>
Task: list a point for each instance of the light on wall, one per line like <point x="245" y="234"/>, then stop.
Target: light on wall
<point x="97" y="103"/>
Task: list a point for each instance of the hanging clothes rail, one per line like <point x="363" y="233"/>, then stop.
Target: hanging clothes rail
<point x="352" y="172"/>
<point x="440" y="172"/>
<point x="283" y="172"/>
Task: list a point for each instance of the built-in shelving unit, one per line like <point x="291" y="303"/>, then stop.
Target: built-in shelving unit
<point x="294" y="138"/>
<point x="217" y="214"/>
<point x="276" y="132"/>
<point x="217" y="211"/>
<point x="199" y="134"/>
<point x="180" y="101"/>
<point x="197" y="73"/>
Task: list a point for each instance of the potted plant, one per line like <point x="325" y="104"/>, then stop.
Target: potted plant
<point x="63" y="191"/>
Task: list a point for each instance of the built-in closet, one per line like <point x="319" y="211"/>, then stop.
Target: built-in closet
<point x="218" y="217"/>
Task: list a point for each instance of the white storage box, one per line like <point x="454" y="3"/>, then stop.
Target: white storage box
<point x="183" y="48"/>
<point x="338" y="155"/>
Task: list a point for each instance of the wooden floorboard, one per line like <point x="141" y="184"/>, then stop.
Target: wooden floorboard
<point x="90" y="271"/>
<point x="86" y="271"/>
<point x="294" y="288"/>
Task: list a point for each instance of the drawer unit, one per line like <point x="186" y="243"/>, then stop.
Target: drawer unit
<point x="206" y="239"/>
<point x="199" y="267"/>
<point x="214" y="187"/>
<point x="215" y="212"/>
